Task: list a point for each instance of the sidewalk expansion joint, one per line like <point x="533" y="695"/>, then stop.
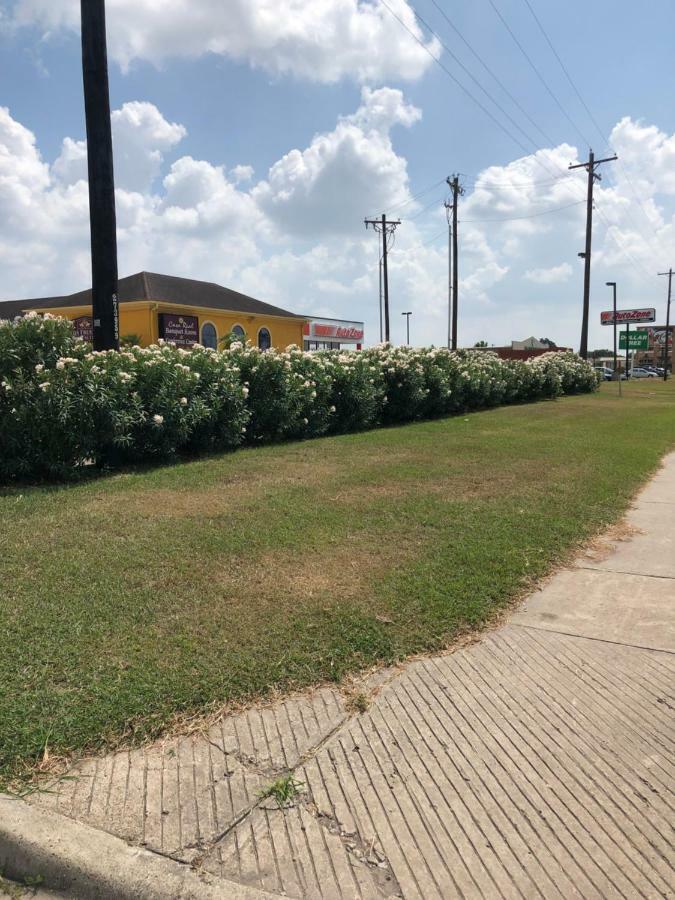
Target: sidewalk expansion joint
<point x="633" y="574"/>
<point x="585" y="637"/>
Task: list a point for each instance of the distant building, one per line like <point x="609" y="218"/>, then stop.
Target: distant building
<point x="527" y="349"/>
<point x="180" y="310"/>
<point x="332" y="334"/>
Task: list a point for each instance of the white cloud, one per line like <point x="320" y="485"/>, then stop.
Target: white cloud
<point x="550" y="276"/>
<point x="344" y="174"/>
<point x="276" y="239"/>
<point x="141" y="136"/>
<point x="321" y="40"/>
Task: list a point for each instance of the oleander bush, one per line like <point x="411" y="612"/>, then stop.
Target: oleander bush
<point x="64" y="407"/>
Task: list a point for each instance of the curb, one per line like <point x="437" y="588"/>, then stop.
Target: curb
<point x="85" y="863"/>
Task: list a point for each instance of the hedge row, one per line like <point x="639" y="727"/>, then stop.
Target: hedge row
<point x="64" y="407"/>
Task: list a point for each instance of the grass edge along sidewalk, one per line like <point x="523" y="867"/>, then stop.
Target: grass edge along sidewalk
<point x="138" y="599"/>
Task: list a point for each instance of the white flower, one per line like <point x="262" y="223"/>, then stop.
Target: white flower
<point x="157" y="419"/>
<point x="45" y="385"/>
<point x="243" y="429"/>
<point x="306" y="421"/>
<point x="39" y="367"/>
<point x="332" y="409"/>
<point x="183" y="401"/>
<point x="244" y="391"/>
<point x="60" y="364"/>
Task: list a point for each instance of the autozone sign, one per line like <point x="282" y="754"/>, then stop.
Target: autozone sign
<point x="628" y="316"/>
<point x="325" y="329"/>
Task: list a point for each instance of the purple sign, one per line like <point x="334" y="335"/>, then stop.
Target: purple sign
<point x="180" y="330"/>
<point x="84" y="328"/>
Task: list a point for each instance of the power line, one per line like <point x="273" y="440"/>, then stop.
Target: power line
<point x="492" y="74"/>
<point x="416" y="196"/>
<point x="592" y="118"/>
<point x="447" y="71"/>
<point x="544" y="212"/>
<point x="473" y="78"/>
<point x="564" y="68"/>
<point x="538" y="74"/>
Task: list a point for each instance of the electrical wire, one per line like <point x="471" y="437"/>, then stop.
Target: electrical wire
<point x="544" y="212"/>
<point x="538" y="74"/>
<point x="600" y="131"/>
<point x="495" y="78"/>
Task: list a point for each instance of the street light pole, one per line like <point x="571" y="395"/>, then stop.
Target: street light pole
<point x="612" y="284"/>
<point x="669" y="273"/>
<point x="407" y="326"/>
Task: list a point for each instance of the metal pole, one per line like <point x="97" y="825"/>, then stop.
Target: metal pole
<point x="665" y="349"/>
<point x="105" y="308"/>
<point x="407" y="326"/>
<point x="627" y="351"/>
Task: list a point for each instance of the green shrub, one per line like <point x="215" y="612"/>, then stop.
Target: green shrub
<point x="64" y="407"/>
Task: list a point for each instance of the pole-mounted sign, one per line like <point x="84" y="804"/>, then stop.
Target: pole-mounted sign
<point x="628" y="316"/>
<point x="634" y="340"/>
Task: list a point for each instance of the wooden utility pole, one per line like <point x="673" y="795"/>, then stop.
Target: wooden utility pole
<point x="101" y="179"/>
<point x="457" y="191"/>
<point x="385" y="227"/>
<point x="669" y="273"/>
<point x="593" y="176"/>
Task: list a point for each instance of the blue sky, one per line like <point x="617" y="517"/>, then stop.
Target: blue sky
<point x="281" y="89"/>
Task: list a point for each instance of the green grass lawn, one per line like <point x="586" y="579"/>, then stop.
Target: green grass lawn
<point x="129" y="600"/>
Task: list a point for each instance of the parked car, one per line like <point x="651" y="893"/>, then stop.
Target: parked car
<point x="640" y="372"/>
<point x="604" y="372"/>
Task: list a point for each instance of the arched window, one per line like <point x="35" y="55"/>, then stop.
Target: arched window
<point x="264" y="339"/>
<point x="209" y="336"/>
<point x="239" y="333"/>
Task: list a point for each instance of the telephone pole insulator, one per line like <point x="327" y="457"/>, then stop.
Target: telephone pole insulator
<point x="590" y="165"/>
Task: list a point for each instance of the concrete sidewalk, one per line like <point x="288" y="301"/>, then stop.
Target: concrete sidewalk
<point x="537" y="762"/>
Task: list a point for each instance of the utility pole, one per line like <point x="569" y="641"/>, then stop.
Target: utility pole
<point x="593" y="176"/>
<point x="385" y="227"/>
<point x="407" y="326"/>
<point x="448" y="207"/>
<point x="669" y="273"/>
<point x="102" y="224"/>
<point x="457" y="191"/>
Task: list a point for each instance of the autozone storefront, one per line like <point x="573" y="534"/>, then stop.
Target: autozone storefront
<point x="332" y="334"/>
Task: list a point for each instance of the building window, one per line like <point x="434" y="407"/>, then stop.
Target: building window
<point x="264" y="339"/>
<point x="209" y="336"/>
<point x="239" y="333"/>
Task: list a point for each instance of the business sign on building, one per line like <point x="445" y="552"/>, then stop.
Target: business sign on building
<point x="180" y="330"/>
<point x="634" y="340"/>
<point x="334" y="330"/>
<point x="657" y="335"/>
<point x="84" y="328"/>
<point x="628" y="316"/>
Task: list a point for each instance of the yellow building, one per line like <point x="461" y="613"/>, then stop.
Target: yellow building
<point x="180" y="310"/>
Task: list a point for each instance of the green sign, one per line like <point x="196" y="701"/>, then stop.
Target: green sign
<point x="637" y="340"/>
